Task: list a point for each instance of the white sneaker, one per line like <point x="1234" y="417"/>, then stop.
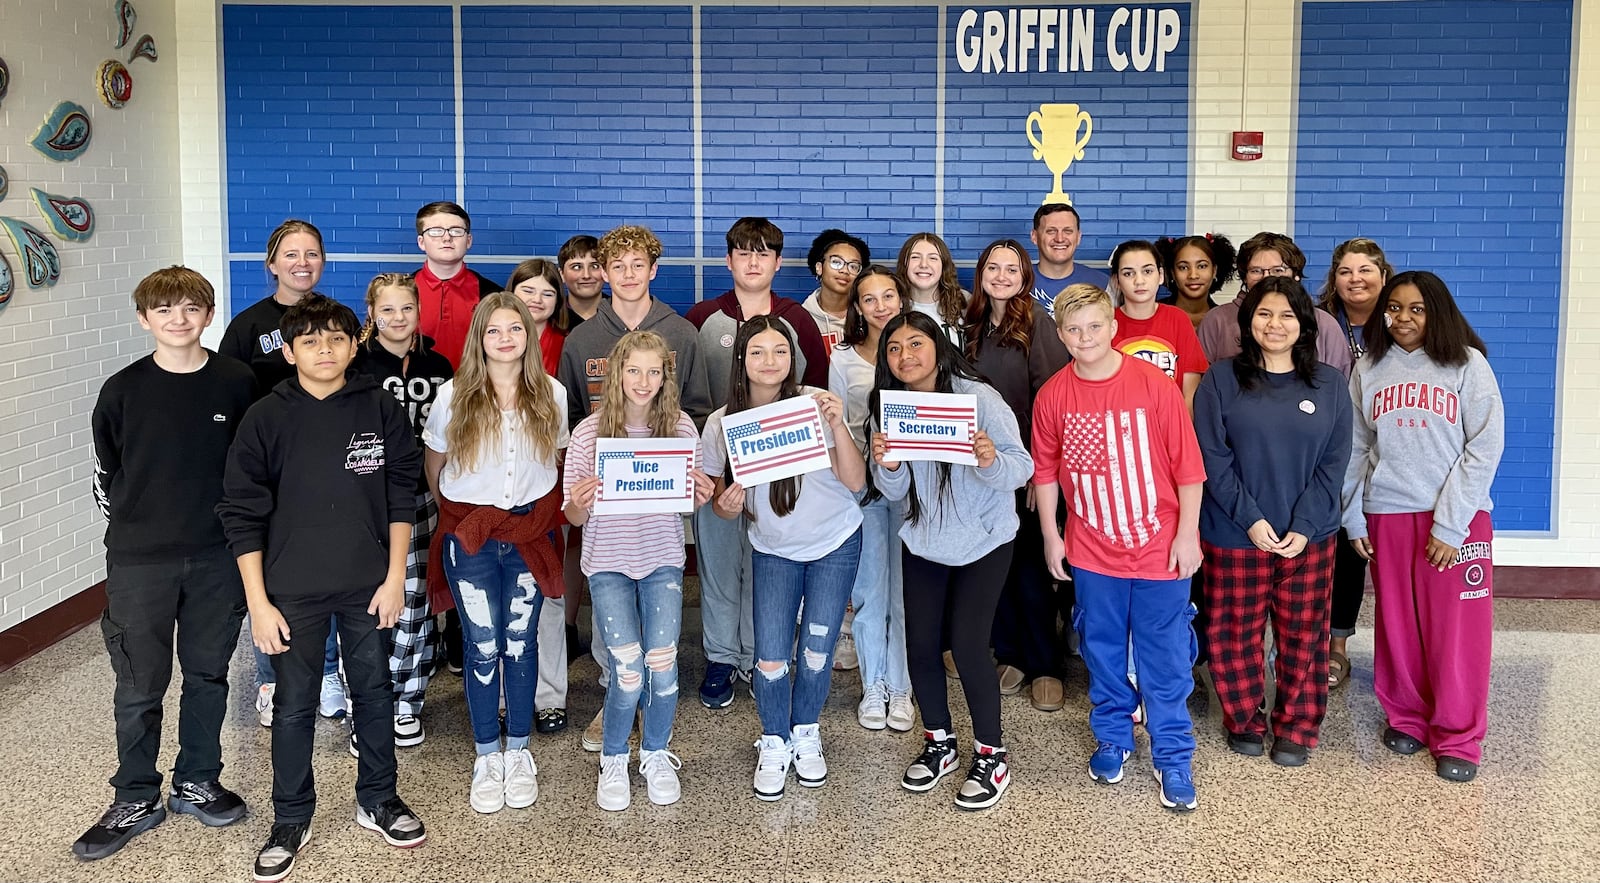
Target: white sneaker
<point x="772" y="767"/>
<point x="810" y="767"/>
<point x="522" y="782"/>
<point x="660" y="776"/>
<point x="612" y="791"/>
<point x="902" y="716"/>
<point x="264" y="703"/>
<point x="333" y="701"/>
<point x="408" y="730"/>
<point x="872" y="712"/>
<point x="489" y="782"/>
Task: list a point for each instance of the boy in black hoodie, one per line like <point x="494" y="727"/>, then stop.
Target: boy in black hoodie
<point x="317" y="505"/>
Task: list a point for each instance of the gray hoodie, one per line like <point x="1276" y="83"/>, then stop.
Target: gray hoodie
<point x="1427" y="438"/>
<point x="584" y="355"/>
<point x="979" y="512"/>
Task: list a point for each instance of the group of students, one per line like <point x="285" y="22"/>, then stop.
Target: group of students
<point x="1163" y="472"/>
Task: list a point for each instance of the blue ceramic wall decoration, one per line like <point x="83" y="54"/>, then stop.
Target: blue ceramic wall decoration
<point x="7" y="282"/>
<point x="64" y="134"/>
<point x="71" y="218"/>
<point x="5" y="183"/>
<point x="144" y="48"/>
<point x="39" y="258"/>
<point x="115" y="84"/>
<point x="5" y="77"/>
<point x="126" y="16"/>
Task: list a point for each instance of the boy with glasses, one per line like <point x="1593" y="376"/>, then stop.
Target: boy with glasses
<point x="447" y="291"/>
<point x="1262" y="255"/>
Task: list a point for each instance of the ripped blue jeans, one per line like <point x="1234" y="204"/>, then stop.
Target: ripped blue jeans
<point x="817" y="591"/>
<point x="499" y="605"/>
<point x="638" y="621"/>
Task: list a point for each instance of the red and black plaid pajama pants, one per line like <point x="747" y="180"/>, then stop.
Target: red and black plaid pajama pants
<point x="1243" y="588"/>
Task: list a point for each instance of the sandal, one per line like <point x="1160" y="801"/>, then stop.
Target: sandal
<point x="1338" y="669"/>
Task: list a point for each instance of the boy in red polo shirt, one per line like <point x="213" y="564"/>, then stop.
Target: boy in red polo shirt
<point x="447" y="290"/>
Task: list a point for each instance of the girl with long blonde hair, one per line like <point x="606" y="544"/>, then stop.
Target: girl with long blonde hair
<point x="494" y="440"/>
<point x="635" y="568"/>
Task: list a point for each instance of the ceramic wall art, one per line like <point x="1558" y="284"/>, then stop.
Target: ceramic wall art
<point x="7" y="282"/>
<point x="144" y="48"/>
<point x="71" y="218"/>
<point x="115" y="83"/>
<point x="126" y="16"/>
<point x="64" y="134"/>
<point x="5" y="183"/>
<point x="5" y="77"/>
<point x="39" y="258"/>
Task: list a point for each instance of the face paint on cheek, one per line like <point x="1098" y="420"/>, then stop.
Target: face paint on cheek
<point x="380" y="324"/>
<point x="1388" y="320"/>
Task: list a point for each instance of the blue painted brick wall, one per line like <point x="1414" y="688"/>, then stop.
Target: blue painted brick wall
<point x="341" y="115"/>
<point x="578" y="119"/>
<point x="1133" y="181"/>
<point x="1439" y="130"/>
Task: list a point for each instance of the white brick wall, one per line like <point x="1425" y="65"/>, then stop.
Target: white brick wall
<point x="197" y="56"/>
<point x="58" y="344"/>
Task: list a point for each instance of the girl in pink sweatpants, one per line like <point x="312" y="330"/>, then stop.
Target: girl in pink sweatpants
<point x="1429" y="430"/>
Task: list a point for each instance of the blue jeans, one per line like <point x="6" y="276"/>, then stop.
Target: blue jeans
<point x="499" y="605"/>
<point x="639" y="621"/>
<point x="722" y="551"/>
<point x="265" y="674"/>
<point x="782" y="700"/>
<point x="1156" y="615"/>
<point x="880" y="601"/>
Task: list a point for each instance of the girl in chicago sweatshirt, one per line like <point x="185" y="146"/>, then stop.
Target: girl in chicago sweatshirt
<point x="1429" y="432"/>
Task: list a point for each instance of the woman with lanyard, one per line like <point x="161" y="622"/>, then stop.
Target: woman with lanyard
<point x="1358" y="273"/>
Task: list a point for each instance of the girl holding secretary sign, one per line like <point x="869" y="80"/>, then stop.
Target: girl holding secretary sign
<point x="960" y="522"/>
<point x="805" y="536"/>
<point x="635" y="568"/>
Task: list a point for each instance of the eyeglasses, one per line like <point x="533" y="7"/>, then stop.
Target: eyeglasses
<point x="442" y="232"/>
<point x="1258" y="272"/>
<point x="839" y="263"/>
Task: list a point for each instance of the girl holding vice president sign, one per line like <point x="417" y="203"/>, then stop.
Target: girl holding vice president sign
<point x="634" y="563"/>
<point x="805" y="533"/>
<point x="960" y="522"/>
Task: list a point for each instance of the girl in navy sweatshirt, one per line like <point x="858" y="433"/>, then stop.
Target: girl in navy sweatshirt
<point x="1273" y="425"/>
<point x="402" y="361"/>
<point x="959" y="523"/>
<point x="1429" y="432"/>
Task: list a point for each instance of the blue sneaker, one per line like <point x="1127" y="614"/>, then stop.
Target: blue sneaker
<point x="1105" y="765"/>
<point x="716" y="690"/>
<point x="1177" y="789"/>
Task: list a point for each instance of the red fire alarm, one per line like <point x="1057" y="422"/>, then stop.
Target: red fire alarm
<point x="1246" y="146"/>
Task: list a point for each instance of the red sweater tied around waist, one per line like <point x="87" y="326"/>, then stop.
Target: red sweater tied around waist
<point x="474" y="525"/>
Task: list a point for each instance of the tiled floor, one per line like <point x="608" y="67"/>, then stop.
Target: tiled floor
<point x="1356" y="812"/>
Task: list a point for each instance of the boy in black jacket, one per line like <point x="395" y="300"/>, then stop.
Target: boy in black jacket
<point x="161" y="431"/>
<point x="317" y="506"/>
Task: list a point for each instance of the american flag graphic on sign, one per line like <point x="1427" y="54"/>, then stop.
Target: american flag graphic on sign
<point x="605" y="457"/>
<point x="788" y="454"/>
<point x="966" y="429"/>
<point x="1105" y="458"/>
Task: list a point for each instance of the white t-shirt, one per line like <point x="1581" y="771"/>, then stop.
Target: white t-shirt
<point x="850" y="377"/>
<point x="507" y="476"/>
<point x="931" y="310"/>
<point x="825" y="512"/>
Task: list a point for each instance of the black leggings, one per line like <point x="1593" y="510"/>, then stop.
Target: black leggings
<point x="966" y="596"/>
<point x="1349" y="586"/>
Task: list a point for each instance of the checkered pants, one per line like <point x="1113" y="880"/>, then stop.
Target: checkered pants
<point x="415" y="642"/>
<point x="1243" y="588"/>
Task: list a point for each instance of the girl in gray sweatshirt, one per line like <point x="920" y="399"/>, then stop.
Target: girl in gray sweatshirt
<point x="958" y="529"/>
<point x="1429" y="430"/>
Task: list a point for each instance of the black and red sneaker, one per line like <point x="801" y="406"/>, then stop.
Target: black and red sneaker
<point x="988" y="778"/>
<point x="938" y="757"/>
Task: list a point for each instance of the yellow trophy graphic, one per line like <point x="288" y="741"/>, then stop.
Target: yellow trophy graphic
<point x="1058" y="142"/>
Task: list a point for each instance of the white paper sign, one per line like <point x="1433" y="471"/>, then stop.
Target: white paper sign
<point x="776" y="441"/>
<point x="929" y="425"/>
<point x="642" y="475"/>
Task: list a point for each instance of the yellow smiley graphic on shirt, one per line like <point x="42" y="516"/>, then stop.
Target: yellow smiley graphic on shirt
<point x="1153" y="350"/>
